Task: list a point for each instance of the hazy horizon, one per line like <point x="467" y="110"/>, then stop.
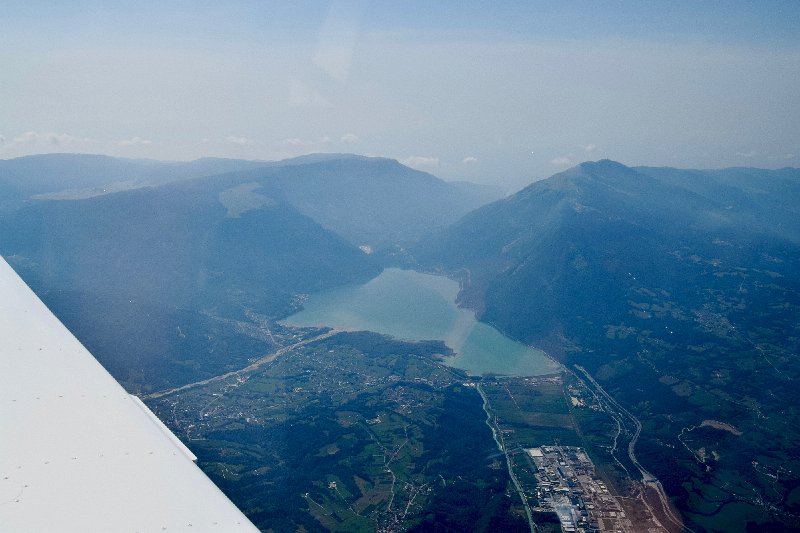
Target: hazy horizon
<point x="506" y="94"/>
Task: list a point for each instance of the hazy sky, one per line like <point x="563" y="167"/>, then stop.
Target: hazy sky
<point x="504" y="92"/>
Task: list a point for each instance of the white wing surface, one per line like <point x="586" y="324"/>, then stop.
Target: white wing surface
<point x="77" y="452"/>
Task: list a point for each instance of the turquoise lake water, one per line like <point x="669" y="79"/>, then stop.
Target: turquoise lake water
<point x="410" y="305"/>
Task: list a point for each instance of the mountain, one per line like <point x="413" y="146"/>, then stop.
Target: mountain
<point x="765" y="200"/>
<point x="598" y="223"/>
<point x="146" y="261"/>
<point x="74" y="176"/>
<point x="145" y="277"/>
<point x="679" y="293"/>
<point x="370" y="201"/>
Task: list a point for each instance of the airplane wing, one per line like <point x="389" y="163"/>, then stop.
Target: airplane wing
<point x="77" y="452"/>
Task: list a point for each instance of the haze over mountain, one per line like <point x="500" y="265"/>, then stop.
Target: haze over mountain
<point x="74" y="176"/>
<point x="122" y="266"/>
<point x="487" y="94"/>
<point x="374" y="201"/>
<point x="679" y="291"/>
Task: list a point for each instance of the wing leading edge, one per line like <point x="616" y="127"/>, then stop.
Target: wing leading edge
<point x="77" y="453"/>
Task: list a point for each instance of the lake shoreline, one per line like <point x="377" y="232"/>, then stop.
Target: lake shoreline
<point x="415" y="306"/>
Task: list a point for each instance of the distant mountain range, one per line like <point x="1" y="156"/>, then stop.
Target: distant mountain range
<point x="74" y="176"/>
<point x="370" y="201"/>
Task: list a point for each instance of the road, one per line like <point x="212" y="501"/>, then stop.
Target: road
<point x="255" y="365"/>
<point x="501" y="445"/>
<point x="648" y="479"/>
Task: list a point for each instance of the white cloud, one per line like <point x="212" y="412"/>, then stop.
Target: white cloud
<point x="136" y="141"/>
<point x="61" y="138"/>
<point x="561" y="161"/>
<point x="469" y="160"/>
<point x="241" y="141"/>
<point x="419" y="161"/>
<point x="589" y="148"/>
<point x="349" y="138"/>
<point x="28" y="137"/>
<point x="296" y="142"/>
<point x="31" y="140"/>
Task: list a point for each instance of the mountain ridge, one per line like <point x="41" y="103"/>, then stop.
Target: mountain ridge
<point x="369" y="200"/>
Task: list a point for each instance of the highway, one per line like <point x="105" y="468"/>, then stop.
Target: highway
<point x="648" y="480"/>
<point x="255" y="365"/>
<point x="501" y="445"/>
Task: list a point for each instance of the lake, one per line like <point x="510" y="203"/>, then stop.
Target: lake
<point x="413" y="306"/>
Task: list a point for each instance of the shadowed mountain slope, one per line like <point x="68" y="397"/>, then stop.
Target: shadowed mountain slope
<point x="580" y="237"/>
<point x="124" y="266"/>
